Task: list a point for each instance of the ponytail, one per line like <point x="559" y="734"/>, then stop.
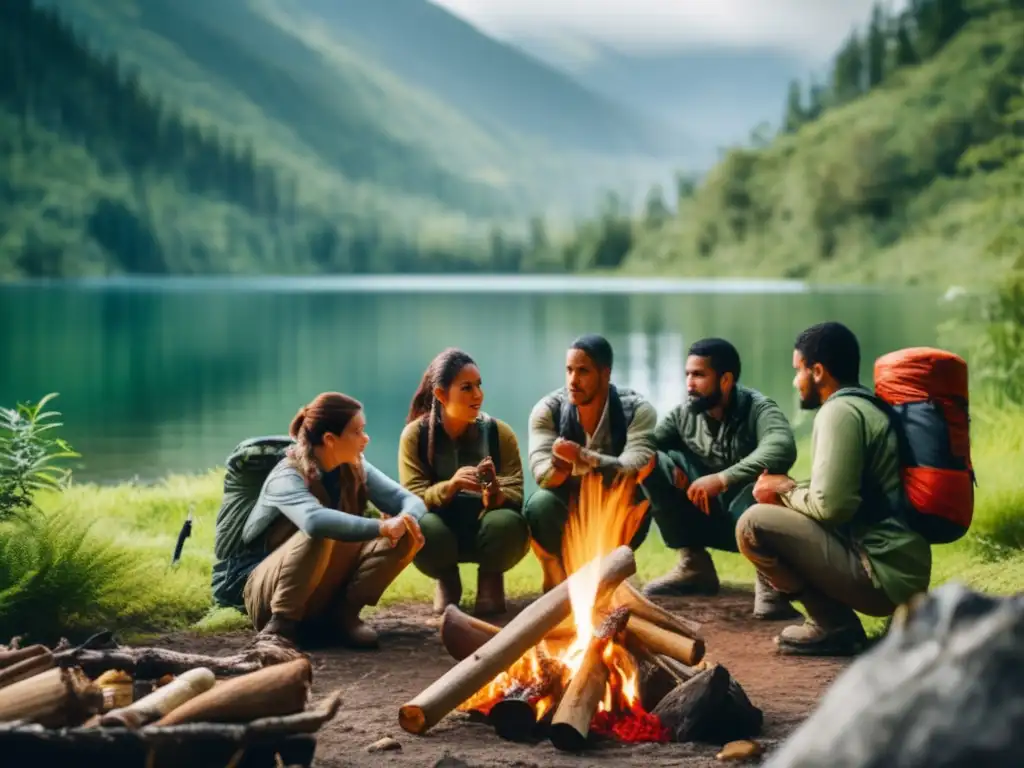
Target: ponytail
<point x="439" y="374"/>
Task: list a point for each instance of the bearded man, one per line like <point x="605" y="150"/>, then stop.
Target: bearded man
<point x="711" y="451"/>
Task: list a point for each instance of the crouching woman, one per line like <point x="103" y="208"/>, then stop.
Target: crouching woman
<point x="465" y="465"/>
<point x="319" y="560"/>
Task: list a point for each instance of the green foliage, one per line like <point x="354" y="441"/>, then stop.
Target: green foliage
<point x="917" y="180"/>
<point x="29" y="454"/>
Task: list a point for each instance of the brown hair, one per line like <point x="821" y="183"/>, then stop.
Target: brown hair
<point x="327" y="412"/>
<point x="439" y="374"/>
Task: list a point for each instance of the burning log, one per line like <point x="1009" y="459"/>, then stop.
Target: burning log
<point x="515" y="716"/>
<point x="659" y="640"/>
<point x="154" y="663"/>
<point x="639" y="606"/>
<point x="16" y="655"/>
<point x="282" y="689"/>
<point x="54" y="698"/>
<point x="571" y="723"/>
<point x="26" y="668"/>
<point x="519" y="636"/>
<point x="162" y="701"/>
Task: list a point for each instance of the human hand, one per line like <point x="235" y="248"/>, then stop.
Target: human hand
<point x="466" y="479"/>
<point x="486" y="473"/>
<point x="703" y="489"/>
<point x="768" y="487"/>
<point x="412" y="527"/>
<point x="394" y="528"/>
<point x="566" y="450"/>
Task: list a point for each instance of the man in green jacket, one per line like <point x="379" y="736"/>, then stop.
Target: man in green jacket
<point x="839" y="543"/>
<point x="711" y="450"/>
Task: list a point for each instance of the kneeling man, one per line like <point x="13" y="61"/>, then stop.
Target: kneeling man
<point x="711" y="450"/>
<point x="840" y="543"/>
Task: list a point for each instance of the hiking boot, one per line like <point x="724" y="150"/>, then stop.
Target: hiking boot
<point x="354" y="632"/>
<point x="490" y="594"/>
<point x="279" y="628"/>
<point x="769" y="603"/>
<point x="830" y="629"/>
<point x="448" y="590"/>
<point x="551" y="566"/>
<point x="694" y="574"/>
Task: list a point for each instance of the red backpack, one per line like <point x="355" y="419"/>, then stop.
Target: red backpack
<point x="924" y="390"/>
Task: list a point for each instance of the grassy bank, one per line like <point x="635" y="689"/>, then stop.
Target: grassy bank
<point x="101" y="555"/>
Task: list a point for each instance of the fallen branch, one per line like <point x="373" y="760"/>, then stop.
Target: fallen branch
<point x="17" y="655"/>
<point x="26" y="668"/>
<point x="154" y="663"/>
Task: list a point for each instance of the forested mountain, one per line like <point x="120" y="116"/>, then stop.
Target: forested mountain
<point x="906" y="165"/>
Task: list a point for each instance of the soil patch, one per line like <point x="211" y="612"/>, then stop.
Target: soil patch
<point x="375" y="684"/>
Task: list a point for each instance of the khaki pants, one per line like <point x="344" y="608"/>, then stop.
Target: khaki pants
<point x="803" y="559"/>
<point x="306" y="578"/>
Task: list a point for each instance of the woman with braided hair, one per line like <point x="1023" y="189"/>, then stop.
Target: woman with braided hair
<point x="465" y="465"/>
<point x="323" y="559"/>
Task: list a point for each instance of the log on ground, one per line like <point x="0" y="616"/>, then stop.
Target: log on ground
<point x="505" y="648"/>
<point x="666" y="642"/>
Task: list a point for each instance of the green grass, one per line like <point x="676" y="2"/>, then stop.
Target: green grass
<point x="101" y="555"/>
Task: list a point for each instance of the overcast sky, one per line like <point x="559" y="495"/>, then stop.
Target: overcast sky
<point x="813" y="28"/>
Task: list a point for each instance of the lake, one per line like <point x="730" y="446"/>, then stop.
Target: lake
<point x="166" y="375"/>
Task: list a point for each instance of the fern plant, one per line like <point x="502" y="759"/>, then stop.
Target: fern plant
<point x="29" y="455"/>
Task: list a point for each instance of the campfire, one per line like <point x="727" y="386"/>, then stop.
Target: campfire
<point x="590" y="659"/>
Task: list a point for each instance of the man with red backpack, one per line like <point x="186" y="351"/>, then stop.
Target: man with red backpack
<point x="847" y="540"/>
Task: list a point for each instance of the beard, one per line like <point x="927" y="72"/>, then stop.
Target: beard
<point x="812" y="401"/>
<point x="703" y="403"/>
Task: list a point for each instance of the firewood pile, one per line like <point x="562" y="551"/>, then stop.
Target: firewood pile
<point x="641" y="676"/>
<point x="101" y="703"/>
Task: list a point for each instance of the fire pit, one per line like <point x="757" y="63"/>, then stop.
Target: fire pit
<point x="592" y="659"/>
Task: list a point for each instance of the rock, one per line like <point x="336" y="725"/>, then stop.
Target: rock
<point x="387" y="744"/>
<point x="941" y="689"/>
<point x="740" y="750"/>
<point x="450" y="762"/>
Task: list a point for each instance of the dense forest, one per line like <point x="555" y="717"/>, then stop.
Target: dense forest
<point x="906" y="164"/>
<point x="99" y="177"/>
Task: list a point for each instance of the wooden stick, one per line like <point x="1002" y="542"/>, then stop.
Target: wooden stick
<point x="571" y="723"/>
<point x="642" y="607"/>
<point x="462" y="634"/>
<point x="659" y="640"/>
<point x="154" y="663"/>
<point x="501" y="651"/>
<point x="162" y="701"/>
<point x="11" y="657"/>
<point x="54" y="698"/>
<point x="26" y="668"/>
<point x="282" y="689"/>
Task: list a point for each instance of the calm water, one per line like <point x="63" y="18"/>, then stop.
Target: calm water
<point x="158" y="377"/>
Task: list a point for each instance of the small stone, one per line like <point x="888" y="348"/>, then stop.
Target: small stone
<point x="740" y="750"/>
<point x="387" y="744"/>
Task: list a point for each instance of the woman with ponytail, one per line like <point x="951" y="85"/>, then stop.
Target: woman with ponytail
<point x="323" y="558"/>
<point x="465" y="465"/>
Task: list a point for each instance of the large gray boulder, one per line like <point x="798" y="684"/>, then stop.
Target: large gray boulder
<point x="945" y="687"/>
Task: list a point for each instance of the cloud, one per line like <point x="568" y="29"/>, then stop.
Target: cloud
<point x="811" y="28"/>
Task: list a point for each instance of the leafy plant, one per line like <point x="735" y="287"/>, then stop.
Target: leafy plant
<point x="29" y="455"/>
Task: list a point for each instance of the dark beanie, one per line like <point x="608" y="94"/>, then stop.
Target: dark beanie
<point x="597" y="348"/>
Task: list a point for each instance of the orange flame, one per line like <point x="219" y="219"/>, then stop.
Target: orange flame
<point x="603" y="518"/>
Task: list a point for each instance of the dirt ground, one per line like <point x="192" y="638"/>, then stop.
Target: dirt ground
<point x="375" y="684"/>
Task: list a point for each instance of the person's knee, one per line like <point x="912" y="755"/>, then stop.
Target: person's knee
<point x="750" y="525"/>
<point x="504" y="539"/>
<point x="545" y="517"/>
<point x="440" y="550"/>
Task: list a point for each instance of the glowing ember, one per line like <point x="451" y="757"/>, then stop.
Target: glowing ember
<point x="603" y="519"/>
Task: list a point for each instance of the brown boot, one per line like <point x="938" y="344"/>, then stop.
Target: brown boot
<point x="279" y="628"/>
<point x="490" y="594"/>
<point x="448" y="590"/>
<point x="830" y="629"/>
<point x="769" y="603"/>
<point x="694" y="574"/>
<point x="353" y="631"/>
<point x="554" y="572"/>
